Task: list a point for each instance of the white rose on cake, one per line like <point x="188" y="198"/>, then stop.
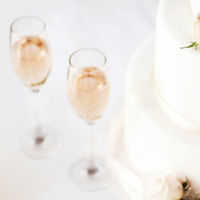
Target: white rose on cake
<point x="196" y="30"/>
<point x="166" y="187"/>
<point x="195" y="34"/>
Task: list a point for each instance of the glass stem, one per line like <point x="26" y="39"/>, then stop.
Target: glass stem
<point x="91" y="142"/>
<point x="38" y="136"/>
<point x="35" y="107"/>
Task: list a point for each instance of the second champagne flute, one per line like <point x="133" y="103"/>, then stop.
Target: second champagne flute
<point x="32" y="61"/>
<point x="88" y="91"/>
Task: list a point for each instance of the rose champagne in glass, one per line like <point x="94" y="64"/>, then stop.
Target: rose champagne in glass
<point x="31" y="60"/>
<point x="88" y="91"/>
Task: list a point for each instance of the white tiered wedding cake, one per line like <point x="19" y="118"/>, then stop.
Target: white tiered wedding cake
<point x="176" y="71"/>
<point x="162" y="109"/>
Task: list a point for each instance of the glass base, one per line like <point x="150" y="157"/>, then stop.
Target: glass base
<point x="91" y="175"/>
<point x="41" y="142"/>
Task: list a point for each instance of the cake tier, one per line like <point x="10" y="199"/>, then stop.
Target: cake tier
<point x="177" y="71"/>
<point x="152" y="142"/>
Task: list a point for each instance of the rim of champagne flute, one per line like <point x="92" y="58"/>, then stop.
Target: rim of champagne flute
<point x="27" y="17"/>
<point x="87" y="48"/>
<point x="78" y="68"/>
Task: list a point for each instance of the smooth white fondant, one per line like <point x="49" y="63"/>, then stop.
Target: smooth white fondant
<point x="154" y="142"/>
<point x="177" y="71"/>
<point x="151" y="143"/>
<point x="171" y="112"/>
<point x="195" y="6"/>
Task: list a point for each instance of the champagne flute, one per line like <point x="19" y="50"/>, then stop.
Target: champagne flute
<point x="31" y="61"/>
<point x="88" y="91"/>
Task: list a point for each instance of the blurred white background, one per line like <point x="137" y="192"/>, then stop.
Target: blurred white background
<point x="116" y="27"/>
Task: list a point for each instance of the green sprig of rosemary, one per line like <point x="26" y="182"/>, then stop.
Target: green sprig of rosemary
<point x="193" y="44"/>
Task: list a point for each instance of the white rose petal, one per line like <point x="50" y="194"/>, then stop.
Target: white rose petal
<point x="175" y="189"/>
<point x="196" y="31"/>
<point x="165" y="187"/>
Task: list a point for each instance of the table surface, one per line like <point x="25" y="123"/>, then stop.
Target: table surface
<point x="116" y="27"/>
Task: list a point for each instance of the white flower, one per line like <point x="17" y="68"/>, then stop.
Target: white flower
<point x="165" y="187"/>
<point x="196" y="30"/>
